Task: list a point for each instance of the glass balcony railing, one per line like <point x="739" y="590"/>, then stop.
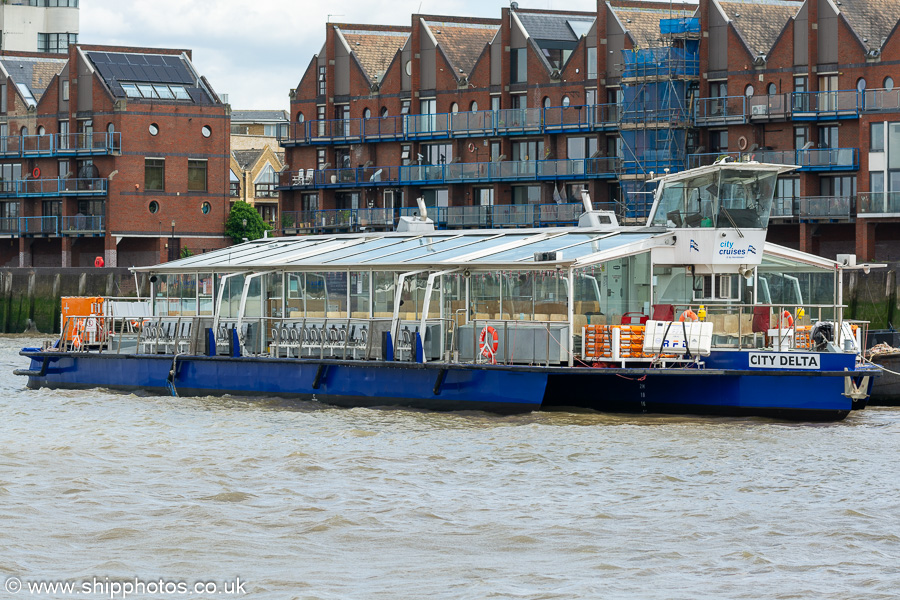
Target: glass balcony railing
<point x="53" y="225"/>
<point x="812" y="159"/>
<point x="829" y="104"/>
<point x="81" y="225"/>
<point x="878" y="203"/>
<point x="721" y="110"/>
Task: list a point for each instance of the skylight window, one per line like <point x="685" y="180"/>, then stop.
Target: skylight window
<point x="147" y="91"/>
<point x="180" y="92"/>
<point x="164" y="92"/>
<point x="131" y="90"/>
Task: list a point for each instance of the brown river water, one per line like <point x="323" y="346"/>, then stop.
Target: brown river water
<point x="305" y="501"/>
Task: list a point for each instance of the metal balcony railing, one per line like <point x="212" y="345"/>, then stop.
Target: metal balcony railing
<point x="24" y="188"/>
<point x="9" y="225"/>
<point x="531" y="170"/>
<point x="39" y="225"/>
<point x="775" y="106"/>
<point x="56" y="144"/>
<point x="881" y="100"/>
<point x="444" y="217"/>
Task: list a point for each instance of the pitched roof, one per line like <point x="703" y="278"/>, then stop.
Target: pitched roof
<point x="642" y="23"/>
<point x="760" y="22"/>
<point x="246" y="158"/>
<point x="462" y="43"/>
<point x="559" y="27"/>
<point x="872" y="20"/>
<point x="375" y="49"/>
<point x="148" y="70"/>
<point x="31" y="74"/>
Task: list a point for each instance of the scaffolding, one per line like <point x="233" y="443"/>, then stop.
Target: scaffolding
<point x="658" y="92"/>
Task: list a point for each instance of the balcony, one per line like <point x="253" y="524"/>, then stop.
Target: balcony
<point x="56" y="144"/>
<point x="53" y="226"/>
<point x="444" y="217"/>
<point x="49" y="188"/>
<point x="812" y="159"/>
<point x="881" y="100"/>
<point x="504" y="171"/>
<point x="843" y="104"/>
<point x="775" y="107"/>
<point x="727" y="110"/>
<point x="878" y="204"/>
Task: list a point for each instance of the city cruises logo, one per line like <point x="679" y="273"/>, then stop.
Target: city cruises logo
<point x="695" y="246"/>
<point x="727" y="248"/>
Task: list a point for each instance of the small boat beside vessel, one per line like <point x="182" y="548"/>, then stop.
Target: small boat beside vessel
<point x="693" y="312"/>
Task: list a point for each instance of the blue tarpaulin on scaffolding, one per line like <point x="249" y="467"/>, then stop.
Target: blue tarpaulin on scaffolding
<point x="646" y="150"/>
<point x="658" y="101"/>
<point x="681" y="25"/>
<point x="663" y="62"/>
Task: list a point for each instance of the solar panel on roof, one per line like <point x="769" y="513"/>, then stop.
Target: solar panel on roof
<point x="198" y="95"/>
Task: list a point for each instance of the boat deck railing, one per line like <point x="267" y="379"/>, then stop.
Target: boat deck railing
<point x="453" y="340"/>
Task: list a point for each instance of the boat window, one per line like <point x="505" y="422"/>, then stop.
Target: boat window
<point x="518" y="295"/>
<point x="359" y="294"/>
<point x="231" y="297"/>
<point x="550" y="296"/>
<point x="253" y="307"/>
<point x="484" y="294"/>
<point x="384" y="283"/>
<point x="205" y="291"/>
<point x="688" y="203"/>
<point x="745" y="198"/>
<point x="454" y="286"/>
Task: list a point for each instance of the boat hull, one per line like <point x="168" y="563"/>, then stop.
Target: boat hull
<point x="886" y="391"/>
<point x="722" y="389"/>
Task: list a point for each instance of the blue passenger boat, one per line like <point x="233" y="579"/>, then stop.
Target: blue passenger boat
<point x="692" y="312"/>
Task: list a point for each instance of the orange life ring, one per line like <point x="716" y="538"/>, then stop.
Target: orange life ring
<point x="36" y="172"/>
<point x="688" y="315"/>
<point x="488" y="343"/>
<point x="787" y="317"/>
<point x="471" y="146"/>
<point x="98" y="262"/>
<point x="76" y="341"/>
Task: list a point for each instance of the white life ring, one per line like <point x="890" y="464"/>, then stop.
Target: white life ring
<point x="488" y="343"/>
<point x="471" y="146"/>
<point x="742" y="143"/>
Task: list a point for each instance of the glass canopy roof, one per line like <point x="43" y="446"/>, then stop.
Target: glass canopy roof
<point x="410" y="251"/>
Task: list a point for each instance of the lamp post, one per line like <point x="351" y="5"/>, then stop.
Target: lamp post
<point x="172" y="255"/>
<point x="244" y="221"/>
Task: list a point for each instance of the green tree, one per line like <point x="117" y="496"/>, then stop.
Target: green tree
<point x="244" y="222"/>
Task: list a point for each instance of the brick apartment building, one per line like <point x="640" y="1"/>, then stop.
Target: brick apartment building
<point x="112" y="152"/>
<point x="501" y="122"/>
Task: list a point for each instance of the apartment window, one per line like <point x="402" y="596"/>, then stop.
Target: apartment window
<point x="266" y="183"/>
<point x="518" y="65"/>
<point x="495" y="152"/>
<point x="718" y="89"/>
<point x="484" y="196"/>
<point x="309" y="202"/>
<point x="590" y="97"/>
<point x="234" y="185"/>
<point x="65" y="90"/>
<point x="9" y="210"/>
<point x="718" y="140"/>
<point x="592" y="63"/>
<point x="270" y="130"/>
<point x="838" y="186"/>
<point x="320" y="158"/>
<point x="321" y="79"/>
<point x="154" y="174"/>
<point x="51" y="208"/>
<point x="3" y="106"/>
<point x="771" y="89"/>
<point x="876" y="182"/>
<point x="528" y="150"/>
<point x="474" y="106"/>
<point x="320" y="118"/>
<point x="437" y="154"/>
<point x="64" y="172"/>
<point x="197" y="175"/>
<point x="520" y="101"/>
<point x="404" y="107"/>
<point x="56" y="43"/>
<point x="495" y="103"/>
<point x="581" y="147"/>
<point x="52" y="3"/>
<point x="526" y="194"/>
<point x="828" y="136"/>
<point x="801" y="137"/>
<point x="876" y="136"/>
<point x="405" y="154"/>
<point x="889" y="83"/>
<point x="801" y="101"/>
